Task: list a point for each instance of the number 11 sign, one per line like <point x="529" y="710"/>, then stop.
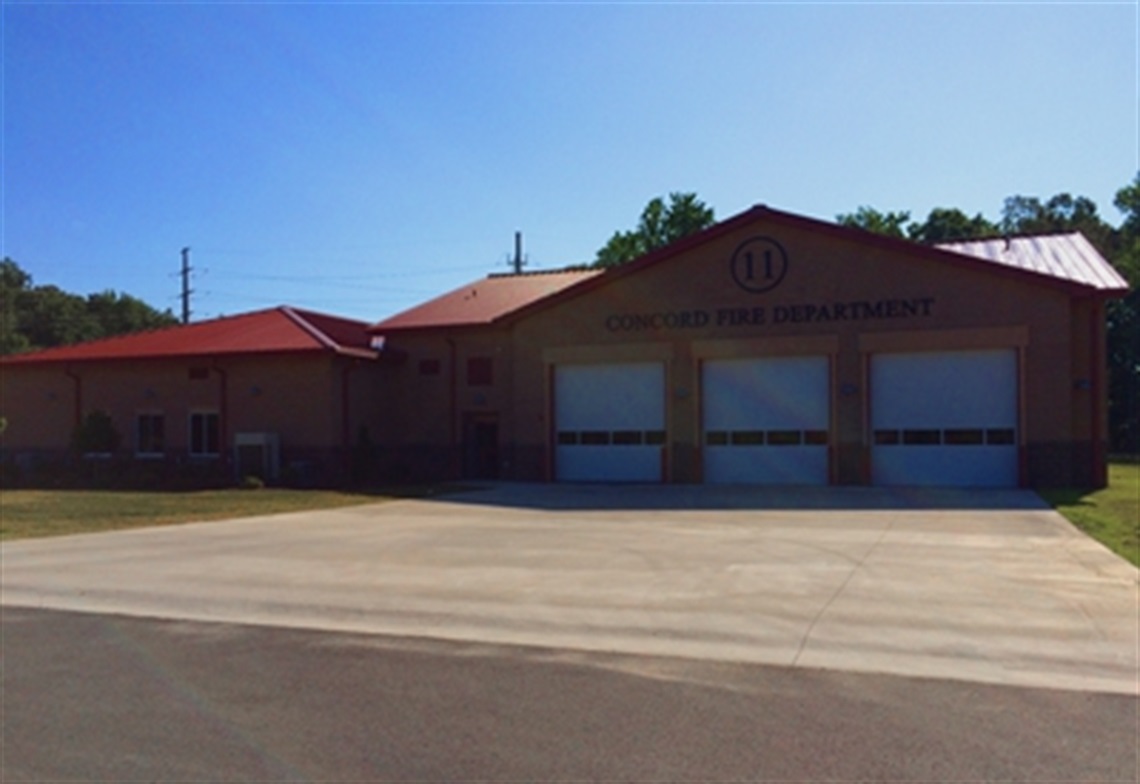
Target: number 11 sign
<point x="759" y="264"/>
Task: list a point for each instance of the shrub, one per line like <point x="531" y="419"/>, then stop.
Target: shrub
<point x="252" y="482"/>
<point x="96" y="434"/>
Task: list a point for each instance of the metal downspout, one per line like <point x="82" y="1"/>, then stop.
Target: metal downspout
<point x="223" y="417"/>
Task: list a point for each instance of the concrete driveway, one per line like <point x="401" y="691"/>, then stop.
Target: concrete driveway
<point x="989" y="586"/>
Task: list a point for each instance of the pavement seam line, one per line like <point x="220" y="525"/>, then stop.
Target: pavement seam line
<point x="838" y="591"/>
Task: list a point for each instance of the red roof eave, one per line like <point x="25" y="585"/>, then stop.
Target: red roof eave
<point x="279" y="331"/>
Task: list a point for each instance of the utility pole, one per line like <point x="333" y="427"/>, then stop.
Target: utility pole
<point x="518" y="260"/>
<point x="186" y="286"/>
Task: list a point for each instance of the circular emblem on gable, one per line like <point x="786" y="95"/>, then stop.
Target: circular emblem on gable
<point x="759" y="264"/>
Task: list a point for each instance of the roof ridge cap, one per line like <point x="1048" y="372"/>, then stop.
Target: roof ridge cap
<point x="538" y="273"/>
<point x="308" y="327"/>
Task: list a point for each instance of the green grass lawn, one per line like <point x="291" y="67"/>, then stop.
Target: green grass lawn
<point x="28" y="513"/>
<point x="1112" y="515"/>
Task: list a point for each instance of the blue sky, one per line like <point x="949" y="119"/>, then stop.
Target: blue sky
<point x="360" y="158"/>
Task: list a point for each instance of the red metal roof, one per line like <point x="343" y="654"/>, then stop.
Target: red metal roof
<point x="281" y="329"/>
<point x="484" y="301"/>
<point x="1069" y="257"/>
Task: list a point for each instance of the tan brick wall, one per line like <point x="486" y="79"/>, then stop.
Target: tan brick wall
<point x="298" y="397"/>
<point x="951" y="306"/>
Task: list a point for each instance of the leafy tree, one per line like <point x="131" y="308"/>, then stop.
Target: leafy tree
<point x="46" y="316"/>
<point x="1128" y="259"/>
<point x="941" y="225"/>
<point x="1123" y="357"/>
<point x="892" y="224"/>
<point x="120" y="314"/>
<point x="1062" y="213"/>
<point x="1124" y="330"/>
<point x="13" y="282"/>
<point x="1128" y="201"/>
<point x="950" y="225"/>
<point x="49" y="316"/>
<point x="660" y="225"/>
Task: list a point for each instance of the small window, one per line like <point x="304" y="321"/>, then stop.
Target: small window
<point x="963" y="437"/>
<point x="627" y="437"/>
<point x="815" y="437"/>
<point x="480" y="372"/>
<point x="150" y="434"/>
<point x="204" y="434"/>
<point x="1000" y="436"/>
<point x="886" y="437"/>
<point x="429" y="367"/>
<point x="595" y="437"/>
<point x="654" y="437"/>
<point x="716" y="438"/>
<point x="922" y="437"/>
<point x="567" y="438"/>
<point x="748" y="438"/>
<point x="199" y="373"/>
<point x="785" y="438"/>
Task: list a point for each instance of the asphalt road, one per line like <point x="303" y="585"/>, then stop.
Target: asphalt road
<point x="111" y="698"/>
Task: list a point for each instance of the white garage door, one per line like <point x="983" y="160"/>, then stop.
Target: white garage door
<point x="609" y="422"/>
<point x="766" y="421"/>
<point x="944" y="418"/>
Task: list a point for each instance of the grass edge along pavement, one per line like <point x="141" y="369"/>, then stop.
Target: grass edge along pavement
<point x="39" y="513"/>
<point x="1110" y="515"/>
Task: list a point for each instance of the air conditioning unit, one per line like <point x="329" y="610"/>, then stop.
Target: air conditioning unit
<point x="257" y="454"/>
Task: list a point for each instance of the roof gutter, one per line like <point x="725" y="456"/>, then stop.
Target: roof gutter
<point x="453" y="404"/>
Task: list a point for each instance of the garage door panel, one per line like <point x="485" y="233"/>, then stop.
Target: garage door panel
<point x="765" y="465"/>
<point x="609" y="463"/>
<point x="955" y="389"/>
<point x="610" y="397"/>
<point x="945" y="419"/>
<point x="766" y="420"/>
<point x="765" y="394"/>
<point x="947" y="466"/>
<point x="609" y="422"/>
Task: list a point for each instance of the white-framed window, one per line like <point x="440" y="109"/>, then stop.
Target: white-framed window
<point x="205" y="434"/>
<point x="150" y="434"/>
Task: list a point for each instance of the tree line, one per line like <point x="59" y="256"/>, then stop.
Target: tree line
<point x="35" y="317"/>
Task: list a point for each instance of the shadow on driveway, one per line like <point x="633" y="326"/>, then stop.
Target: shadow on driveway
<point x="650" y="497"/>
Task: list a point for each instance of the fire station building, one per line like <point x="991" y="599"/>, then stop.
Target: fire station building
<point x="768" y="349"/>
